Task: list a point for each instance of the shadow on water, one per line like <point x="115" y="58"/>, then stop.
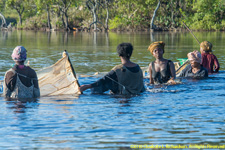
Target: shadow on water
<point x="21" y="105"/>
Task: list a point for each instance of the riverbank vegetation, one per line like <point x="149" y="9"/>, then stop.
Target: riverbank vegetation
<point x="122" y="15"/>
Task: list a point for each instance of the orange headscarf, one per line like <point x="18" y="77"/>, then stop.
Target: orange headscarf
<point x="206" y="46"/>
<point x="154" y="45"/>
<point x="195" y="56"/>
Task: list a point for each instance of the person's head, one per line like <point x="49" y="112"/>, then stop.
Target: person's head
<point x="157" y="49"/>
<point x="206" y="46"/>
<point x="19" y="54"/>
<point x="125" y="50"/>
<point x="195" y="59"/>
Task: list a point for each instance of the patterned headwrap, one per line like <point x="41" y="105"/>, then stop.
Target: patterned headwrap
<point x="154" y="45"/>
<point x="206" y="46"/>
<point x="195" y="56"/>
<point x="19" y="54"/>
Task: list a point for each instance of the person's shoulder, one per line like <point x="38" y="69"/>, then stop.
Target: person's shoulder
<point x="117" y="67"/>
<point x="151" y="63"/>
<point x="188" y="67"/>
<point x="214" y="55"/>
<point x="169" y="61"/>
<point x="29" y="68"/>
<point x="137" y="66"/>
<point x="31" y="71"/>
<point x="10" y="72"/>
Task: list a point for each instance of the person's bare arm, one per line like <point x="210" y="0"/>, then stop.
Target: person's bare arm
<point x="217" y="65"/>
<point x="36" y="87"/>
<point x="172" y="71"/>
<point x="150" y="74"/>
<point x="84" y="87"/>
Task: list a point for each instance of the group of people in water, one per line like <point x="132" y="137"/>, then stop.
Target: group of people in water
<point x="126" y="78"/>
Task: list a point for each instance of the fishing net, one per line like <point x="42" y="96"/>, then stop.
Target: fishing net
<point x="145" y="70"/>
<point x="179" y="67"/>
<point x="58" y="79"/>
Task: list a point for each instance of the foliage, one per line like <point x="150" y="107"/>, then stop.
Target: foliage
<point x="208" y="14"/>
<point x="123" y="14"/>
<point x="2" y="5"/>
<point x="19" y="6"/>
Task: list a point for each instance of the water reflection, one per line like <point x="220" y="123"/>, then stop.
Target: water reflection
<point x="65" y="38"/>
<point x="21" y="105"/>
<point x="191" y="112"/>
<point x="49" y="34"/>
<point x="5" y="35"/>
<point x="152" y="36"/>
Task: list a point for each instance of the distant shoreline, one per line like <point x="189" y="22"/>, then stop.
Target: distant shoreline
<point x="112" y="30"/>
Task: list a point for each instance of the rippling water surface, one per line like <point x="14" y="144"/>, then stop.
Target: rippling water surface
<point x="188" y="113"/>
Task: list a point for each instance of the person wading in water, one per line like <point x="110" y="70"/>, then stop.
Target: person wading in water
<point x="20" y="81"/>
<point x="161" y="70"/>
<point x="209" y="60"/>
<point x="195" y="69"/>
<point x="126" y="78"/>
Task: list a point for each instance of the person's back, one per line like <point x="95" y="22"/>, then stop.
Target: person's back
<point x="20" y="81"/>
<point x="126" y="78"/>
<point x="209" y="60"/>
<point x="131" y="78"/>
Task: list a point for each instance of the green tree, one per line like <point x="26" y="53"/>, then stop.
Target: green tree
<point x="19" y="6"/>
<point x="45" y="5"/>
<point x="208" y="14"/>
<point x="2" y="5"/>
<point x="64" y="6"/>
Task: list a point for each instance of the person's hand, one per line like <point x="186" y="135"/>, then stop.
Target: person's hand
<point x="84" y="87"/>
<point x="171" y="81"/>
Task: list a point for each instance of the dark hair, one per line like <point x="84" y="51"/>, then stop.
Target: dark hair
<point x="125" y="50"/>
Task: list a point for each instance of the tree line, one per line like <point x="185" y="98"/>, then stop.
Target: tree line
<point x="116" y="14"/>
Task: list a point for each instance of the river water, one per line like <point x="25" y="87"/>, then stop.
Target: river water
<point x="191" y="113"/>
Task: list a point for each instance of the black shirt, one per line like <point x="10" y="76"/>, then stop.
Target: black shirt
<point x="10" y="77"/>
<point x="109" y="81"/>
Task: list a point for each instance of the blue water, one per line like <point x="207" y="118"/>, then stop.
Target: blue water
<point x="188" y="113"/>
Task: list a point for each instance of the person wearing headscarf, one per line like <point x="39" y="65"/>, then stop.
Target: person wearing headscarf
<point x="209" y="60"/>
<point x="161" y="70"/>
<point x="20" y="81"/>
<point x="194" y="69"/>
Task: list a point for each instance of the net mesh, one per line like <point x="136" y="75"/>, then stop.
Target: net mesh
<point x="58" y="79"/>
